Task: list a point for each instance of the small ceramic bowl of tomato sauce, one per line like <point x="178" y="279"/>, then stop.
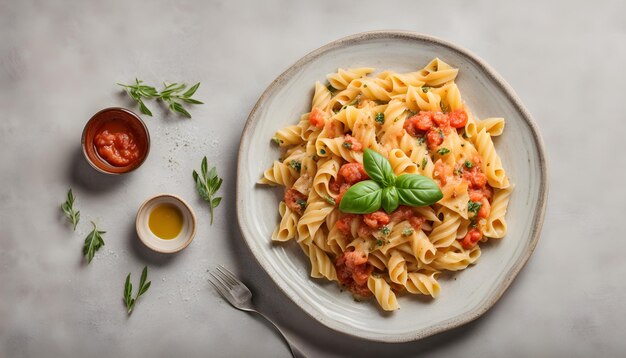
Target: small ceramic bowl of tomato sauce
<point x="115" y="141"/>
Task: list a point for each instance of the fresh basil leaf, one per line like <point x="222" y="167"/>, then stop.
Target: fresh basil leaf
<point x="417" y="190"/>
<point x="378" y="168"/>
<point x="362" y="198"/>
<point x="390" y="200"/>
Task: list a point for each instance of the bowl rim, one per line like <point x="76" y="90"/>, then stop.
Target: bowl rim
<point x="538" y="218"/>
<point x="146" y="242"/>
<point x="131" y="114"/>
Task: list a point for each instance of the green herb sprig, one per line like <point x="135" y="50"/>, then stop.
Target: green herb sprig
<point x="93" y="242"/>
<point x="208" y="184"/>
<point x="68" y="208"/>
<point x="128" y="290"/>
<point x="386" y="190"/>
<point x="174" y="94"/>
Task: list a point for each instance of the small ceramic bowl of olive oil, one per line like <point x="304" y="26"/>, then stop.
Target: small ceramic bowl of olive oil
<point x="165" y="223"/>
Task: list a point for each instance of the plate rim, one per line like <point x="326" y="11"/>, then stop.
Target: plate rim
<point x="538" y="217"/>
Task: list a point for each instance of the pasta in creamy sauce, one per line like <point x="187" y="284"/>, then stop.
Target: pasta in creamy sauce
<point x="418" y="121"/>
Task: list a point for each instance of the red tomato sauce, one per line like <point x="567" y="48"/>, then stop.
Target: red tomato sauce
<point x="353" y="271"/>
<point x="118" y="143"/>
<point x="435" y="125"/>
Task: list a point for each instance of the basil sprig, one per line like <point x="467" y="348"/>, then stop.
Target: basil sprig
<point x="386" y="190"/>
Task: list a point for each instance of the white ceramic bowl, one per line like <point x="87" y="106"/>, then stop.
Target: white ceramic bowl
<point x="471" y="292"/>
<point x="157" y="244"/>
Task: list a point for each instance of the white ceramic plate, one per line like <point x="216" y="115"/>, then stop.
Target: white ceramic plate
<point x="471" y="292"/>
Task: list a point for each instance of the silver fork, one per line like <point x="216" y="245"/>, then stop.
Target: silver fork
<point x="240" y="297"/>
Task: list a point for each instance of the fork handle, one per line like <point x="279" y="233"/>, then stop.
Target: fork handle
<point x="295" y="352"/>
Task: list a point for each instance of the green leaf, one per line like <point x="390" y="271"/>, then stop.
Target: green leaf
<point x="216" y="186"/>
<point x="417" y="190"/>
<point x="378" y="168"/>
<point x="191" y="101"/>
<point x="204" y="167"/>
<point x="178" y="108"/>
<point x="144" y="275"/>
<point x="202" y="190"/>
<point x="390" y="200"/>
<point x="93" y="243"/>
<point x="362" y="198"/>
<point x="192" y="90"/>
<point x="215" y="202"/>
<point x="443" y="151"/>
<point x="144" y="109"/>
<point x="144" y="288"/>
<point x="128" y="290"/>
<point x="212" y="173"/>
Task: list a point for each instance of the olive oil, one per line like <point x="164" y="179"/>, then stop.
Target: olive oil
<point x="166" y="221"/>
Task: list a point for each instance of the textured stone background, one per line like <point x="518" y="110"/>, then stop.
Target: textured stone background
<point x="59" y="61"/>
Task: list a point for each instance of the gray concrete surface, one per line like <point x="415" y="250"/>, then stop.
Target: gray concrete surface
<point x="60" y="60"/>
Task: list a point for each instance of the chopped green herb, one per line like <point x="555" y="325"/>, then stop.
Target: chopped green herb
<point x="330" y="200"/>
<point x="365" y="85"/>
<point x="379" y="242"/>
<point x="277" y="141"/>
<point x="347" y="145"/>
<point x="408" y="231"/>
<point x="396" y="119"/>
<point x="296" y="165"/>
<point x="421" y="140"/>
<point x="331" y="88"/>
<point x="458" y="170"/>
<point x="380" y="117"/>
<point x="443" y="151"/>
<point x="444" y="107"/>
<point x="441" y="134"/>
<point x="474" y="207"/>
<point x="425" y="89"/>
<point x="473" y="222"/>
<point x="315" y="157"/>
<point x="424" y="162"/>
<point x="385" y="230"/>
<point x="322" y="151"/>
<point x="302" y="203"/>
<point x="468" y="164"/>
